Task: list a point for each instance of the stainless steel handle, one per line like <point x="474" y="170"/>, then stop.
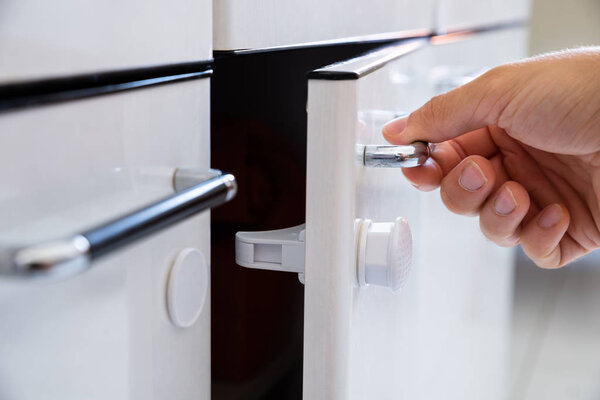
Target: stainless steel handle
<point x="195" y="191"/>
<point x="390" y="156"/>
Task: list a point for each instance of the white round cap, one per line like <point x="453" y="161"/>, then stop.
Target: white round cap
<point x="399" y="254"/>
<point x="187" y="288"/>
<point x="385" y="253"/>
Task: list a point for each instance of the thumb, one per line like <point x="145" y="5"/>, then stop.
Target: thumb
<point x="464" y="109"/>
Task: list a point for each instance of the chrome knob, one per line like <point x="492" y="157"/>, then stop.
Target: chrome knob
<point x="391" y="156"/>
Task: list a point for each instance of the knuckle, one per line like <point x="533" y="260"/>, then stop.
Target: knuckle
<point x="496" y="78"/>
<point x="503" y="238"/>
<point x="430" y="112"/>
<point x="497" y="72"/>
<point x="436" y="107"/>
<point x="543" y="258"/>
<point x="546" y="263"/>
<point x="509" y="243"/>
<point x="457" y="206"/>
<point x="446" y="199"/>
<point x="494" y="85"/>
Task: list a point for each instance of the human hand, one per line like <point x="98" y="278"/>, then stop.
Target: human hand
<point x="520" y="147"/>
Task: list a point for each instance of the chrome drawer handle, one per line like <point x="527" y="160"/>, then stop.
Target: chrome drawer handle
<point x="196" y="190"/>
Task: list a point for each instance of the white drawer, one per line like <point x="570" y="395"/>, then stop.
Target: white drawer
<point x="450" y="321"/>
<point x="464" y="14"/>
<point x="105" y="333"/>
<point x="55" y="38"/>
<point x="163" y="125"/>
<point x="257" y="24"/>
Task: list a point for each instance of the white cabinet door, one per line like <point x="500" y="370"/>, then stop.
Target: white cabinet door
<point x="445" y="333"/>
<point x="260" y="24"/>
<point x="40" y="39"/>
<point x="465" y="14"/>
<point x="105" y="333"/>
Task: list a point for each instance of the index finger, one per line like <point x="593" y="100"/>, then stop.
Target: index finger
<point x="447" y="116"/>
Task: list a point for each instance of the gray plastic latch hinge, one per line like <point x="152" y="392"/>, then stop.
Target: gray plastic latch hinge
<point x="278" y="250"/>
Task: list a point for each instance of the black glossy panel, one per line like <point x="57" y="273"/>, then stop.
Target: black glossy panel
<point x="44" y="91"/>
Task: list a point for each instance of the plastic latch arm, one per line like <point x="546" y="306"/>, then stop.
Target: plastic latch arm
<point x="277" y="250"/>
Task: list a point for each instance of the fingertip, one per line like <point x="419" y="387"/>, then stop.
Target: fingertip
<point x="501" y="216"/>
<point x="392" y="131"/>
<point x="467" y="186"/>
<point x="426" y="177"/>
<point x="553" y="216"/>
<point x="519" y="195"/>
<point x="542" y="236"/>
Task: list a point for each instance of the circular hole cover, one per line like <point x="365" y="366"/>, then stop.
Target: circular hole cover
<point x="188" y="284"/>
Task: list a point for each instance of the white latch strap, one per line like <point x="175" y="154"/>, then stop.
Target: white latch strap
<point x="383" y="251"/>
<point x="278" y="250"/>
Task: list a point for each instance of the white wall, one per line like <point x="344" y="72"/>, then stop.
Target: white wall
<point x="558" y="24"/>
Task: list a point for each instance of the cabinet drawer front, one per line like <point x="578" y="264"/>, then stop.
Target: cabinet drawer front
<point x="254" y="24"/>
<point x="450" y="319"/>
<point x="105" y="333"/>
<point x="40" y="39"/>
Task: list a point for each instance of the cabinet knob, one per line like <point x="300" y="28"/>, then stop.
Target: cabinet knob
<point x="384" y="253"/>
<point x="390" y="156"/>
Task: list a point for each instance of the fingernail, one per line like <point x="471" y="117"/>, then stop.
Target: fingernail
<point x="550" y="216"/>
<point x="394" y="127"/>
<point x="505" y="202"/>
<point x="472" y="178"/>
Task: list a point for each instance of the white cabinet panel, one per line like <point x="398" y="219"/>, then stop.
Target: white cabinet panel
<point x="461" y="14"/>
<point x="445" y="334"/>
<point x="105" y="333"/>
<point x="556" y="331"/>
<point x="254" y="24"/>
<point x="63" y="37"/>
